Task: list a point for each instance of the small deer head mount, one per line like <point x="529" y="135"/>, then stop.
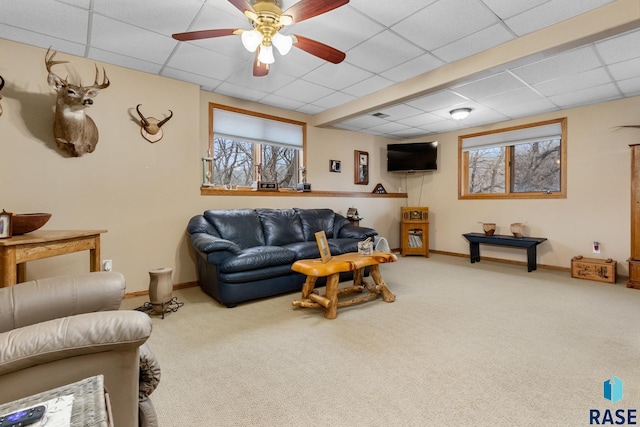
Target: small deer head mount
<point x="1" y="86"/>
<point x="150" y="127"/>
<point x="75" y="132"/>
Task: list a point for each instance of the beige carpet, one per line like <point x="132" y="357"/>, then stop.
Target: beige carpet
<point x="484" y="344"/>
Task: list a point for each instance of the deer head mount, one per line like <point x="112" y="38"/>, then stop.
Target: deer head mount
<point x="150" y="127"/>
<point x="1" y="86"/>
<point x="74" y="131"/>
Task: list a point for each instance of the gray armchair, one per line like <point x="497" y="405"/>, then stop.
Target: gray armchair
<point x="59" y="330"/>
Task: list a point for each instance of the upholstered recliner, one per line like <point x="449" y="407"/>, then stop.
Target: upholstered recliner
<point x="59" y="330"/>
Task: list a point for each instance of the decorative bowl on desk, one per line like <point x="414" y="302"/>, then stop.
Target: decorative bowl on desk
<point x="26" y="223"/>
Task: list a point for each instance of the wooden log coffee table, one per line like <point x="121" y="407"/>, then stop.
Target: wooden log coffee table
<point x="314" y="268"/>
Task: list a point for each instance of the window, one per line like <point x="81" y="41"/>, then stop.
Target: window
<point x="247" y="146"/>
<point x="519" y="162"/>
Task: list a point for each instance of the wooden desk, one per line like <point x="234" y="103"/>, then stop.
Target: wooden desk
<point x="17" y="250"/>
<point x="314" y="268"/>
<point x="530" y="243"/>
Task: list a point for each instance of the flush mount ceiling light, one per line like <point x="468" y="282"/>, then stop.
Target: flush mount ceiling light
<point x="460" y="113"/>
<point x="267" y="20"/>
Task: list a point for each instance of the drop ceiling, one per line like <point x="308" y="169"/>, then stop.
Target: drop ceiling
<point x="390" y="46"/>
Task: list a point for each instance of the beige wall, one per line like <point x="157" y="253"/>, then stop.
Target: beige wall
<point x="597" y="207"/>
<point x="143" y="193"/>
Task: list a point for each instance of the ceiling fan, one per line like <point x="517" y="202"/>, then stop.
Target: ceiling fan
<point x="267" y="20"/>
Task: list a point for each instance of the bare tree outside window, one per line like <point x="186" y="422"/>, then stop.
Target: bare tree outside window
<point x="527" y="161"/>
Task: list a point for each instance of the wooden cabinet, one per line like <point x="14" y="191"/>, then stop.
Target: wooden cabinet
<point x="634" y="259"/>
<point x="414" y="231"/>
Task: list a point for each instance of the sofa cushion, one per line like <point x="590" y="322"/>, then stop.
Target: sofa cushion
<point x="241" y="226"/>
<point x="258" y="257"/>
<point x="344" y="245"/>
<point x="314" y="220"/>
<point x="304" y="250"/>
<point x="253" y="275"/>
<point x="280" y="226"/>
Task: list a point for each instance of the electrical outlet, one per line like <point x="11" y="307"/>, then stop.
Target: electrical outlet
<point x="596" y="247"/>
<point x="107" y="265"/>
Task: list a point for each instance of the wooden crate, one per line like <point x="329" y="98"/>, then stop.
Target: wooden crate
<point x="601" y="270"/>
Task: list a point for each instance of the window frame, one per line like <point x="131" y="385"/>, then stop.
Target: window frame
<point x="302" y="157"/>
<point x="463" y="166"/>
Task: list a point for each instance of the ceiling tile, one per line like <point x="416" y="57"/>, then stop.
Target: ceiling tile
<point x="433" y="26"/>
<point x="387" y="13"/>
<point x="413" y="68"/>
<point x="303" y="91"/>
<point x="281" y="102"/>
<point x="42" y="40"/>
<point x="367" y="86"/>
<point x="584" y="80"/>
<point x="337" y="77"/>
<point x="115" y="36"/>
<point x="382" y="52"/>
<point x="141" y="14"/>
<point x="564" y="64"/>
<point x="538" y="106"/>
<point x="630" y="87"/>
<point x="204" y="82"/>
<point x="437" y="101"/>
<point x="388" y="127"/>
<point x="474" y="43"/>
<point x="237" y="91"/>
<point x="513" y="97"/>
<point x="124" y="61"/>
<point x="342" y="28"/>
<point x="188" y="57"/>
<point x="501" y="82"/>
<point x="400" y="111"/>
<point x="507" y="8"/>
<point x="621" y="48"/>
<point x="333" y="100"/>
<point x="363" y="122"/>
<point x="421" y="120"/>
<point x="549" y="13"/>
<point x="585" y="96"/>
<point x="60" y="20"/>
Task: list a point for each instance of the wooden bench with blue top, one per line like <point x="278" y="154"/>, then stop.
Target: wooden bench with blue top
<point x="530" y="243"/>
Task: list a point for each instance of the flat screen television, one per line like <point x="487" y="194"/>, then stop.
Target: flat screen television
<point x="412" y="157"/>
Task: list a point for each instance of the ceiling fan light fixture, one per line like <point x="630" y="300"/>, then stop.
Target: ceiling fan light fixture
<point x="282" y="43"/>
<point x="251" y="40"/>
<point x="266" y="54"/>
<point x="460" y="113"/>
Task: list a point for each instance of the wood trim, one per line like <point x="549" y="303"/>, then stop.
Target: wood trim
<point x="209" y="191"/>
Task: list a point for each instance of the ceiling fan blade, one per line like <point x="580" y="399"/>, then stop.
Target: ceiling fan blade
<point x="242" y="5"/>
<point x="260" y="69"/>
<point x="204" y="34"/>
<point x="306" y="9"/>
<point x="318" y="49"/>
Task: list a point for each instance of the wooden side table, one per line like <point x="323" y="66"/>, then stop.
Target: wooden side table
<point x="17" y="250"/>
<point x="314" y="268"/>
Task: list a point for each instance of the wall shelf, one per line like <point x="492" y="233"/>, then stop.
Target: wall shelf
<point x="209" y="191"/>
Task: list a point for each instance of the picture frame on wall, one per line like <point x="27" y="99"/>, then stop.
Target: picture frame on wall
<point x="5" y="224"/>
<point x="361" y="167"/>
<point x="334" y="166"/>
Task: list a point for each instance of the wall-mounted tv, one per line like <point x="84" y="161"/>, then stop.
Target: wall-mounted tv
<point x="412" y="157"/>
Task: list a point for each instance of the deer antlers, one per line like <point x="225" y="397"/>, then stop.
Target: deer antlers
<point x="150" y="126"/>
<point x="49" y="62"/>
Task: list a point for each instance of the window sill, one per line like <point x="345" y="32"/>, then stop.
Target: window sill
<point x="208" y="191"/>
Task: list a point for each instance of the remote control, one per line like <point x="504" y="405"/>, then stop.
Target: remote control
<point x="22" y="418"/>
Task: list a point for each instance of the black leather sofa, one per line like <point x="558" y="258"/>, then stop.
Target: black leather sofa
<point x="245" y="254"/>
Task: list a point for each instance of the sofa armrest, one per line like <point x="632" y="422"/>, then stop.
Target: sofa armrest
<point x="355" y="232"/>
<point x="207" y="243"/>
<point x="72" y="336"/>
<point x="37" y="301"/>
